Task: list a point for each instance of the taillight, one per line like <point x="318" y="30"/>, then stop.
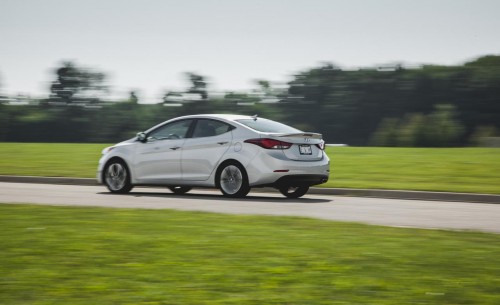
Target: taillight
<point x="321" y="145"/>
<point x="269" y="143"/>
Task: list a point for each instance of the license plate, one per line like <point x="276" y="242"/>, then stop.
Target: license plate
<point x="305" y="149"/>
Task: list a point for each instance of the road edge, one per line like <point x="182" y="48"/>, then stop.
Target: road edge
<point x="378" y="193"/>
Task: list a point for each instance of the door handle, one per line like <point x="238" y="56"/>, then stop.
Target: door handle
<point x="222" y="143"/>
<point x="175" y="148"/>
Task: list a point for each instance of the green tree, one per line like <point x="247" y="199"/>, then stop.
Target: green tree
<point x="437" y="129"/>
<point x="72" y="81"/>
<point x="386" y="134"/>
<point x="412" y="131"/>
<point x="264" y="86"/>
<point x="444" y="129"/>
<point x="198" y="85"/>
<point x="483" y="135"/>
<point x="133" y="98"/>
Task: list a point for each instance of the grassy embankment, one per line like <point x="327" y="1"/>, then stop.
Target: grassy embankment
<point x="475" y="170"/>
<point x="68" y="255"/>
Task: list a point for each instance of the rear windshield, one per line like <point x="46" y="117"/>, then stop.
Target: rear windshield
<point x="264" y="125"/>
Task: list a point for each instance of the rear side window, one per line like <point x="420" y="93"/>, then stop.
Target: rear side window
<point x="264" y="125"/>
<point x="210" y="128"/>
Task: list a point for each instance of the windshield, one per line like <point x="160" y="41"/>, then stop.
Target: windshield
<point x="264" y="125"/>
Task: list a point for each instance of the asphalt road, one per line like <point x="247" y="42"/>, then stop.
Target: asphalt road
<point x="387" y="212"/>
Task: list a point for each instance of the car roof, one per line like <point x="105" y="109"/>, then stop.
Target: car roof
<point x="228" y="117"/>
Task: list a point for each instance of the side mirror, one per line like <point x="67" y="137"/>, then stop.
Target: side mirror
<point x="141" y="137"/>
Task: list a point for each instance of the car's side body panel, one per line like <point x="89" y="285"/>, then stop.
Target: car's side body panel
<point x="158" y="161"/>
<point x="200" y="156"/>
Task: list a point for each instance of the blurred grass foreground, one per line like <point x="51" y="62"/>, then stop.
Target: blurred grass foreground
<point x="473" y="170"/>
<point x="73" y="255"/>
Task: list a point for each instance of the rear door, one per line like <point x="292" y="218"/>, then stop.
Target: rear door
<point x="203" y="150"/>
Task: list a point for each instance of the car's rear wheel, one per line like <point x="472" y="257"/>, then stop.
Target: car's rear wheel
<point x="117" y="177"/>
<point x="294" y="192"/>
<point x="232" y="180"/>
<point x="179" y="190"/>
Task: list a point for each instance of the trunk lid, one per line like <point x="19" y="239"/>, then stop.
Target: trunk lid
<point x="305" y="145"/>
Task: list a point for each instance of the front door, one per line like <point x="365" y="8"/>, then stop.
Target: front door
<point x="159" y="159"/>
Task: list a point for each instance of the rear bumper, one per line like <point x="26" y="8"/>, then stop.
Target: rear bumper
<point x="300" y="180"/>
<point x="267" y="169"/>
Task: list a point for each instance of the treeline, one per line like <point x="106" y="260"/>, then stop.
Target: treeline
<point x="428" y="106"/>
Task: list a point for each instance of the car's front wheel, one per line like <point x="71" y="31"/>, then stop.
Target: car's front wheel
<point x="232" y="180"/>
<point x="117" y="177"/>
<point x="294" y="192"/>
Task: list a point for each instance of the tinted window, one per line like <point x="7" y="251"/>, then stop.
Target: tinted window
<point x="210" y="128"/>
<point x="265" y="125"/>
<point x="175" y="130"/>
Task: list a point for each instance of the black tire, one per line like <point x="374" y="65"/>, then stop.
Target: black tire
<point x="294" y="192"/>
<point x="116" y="177"/>
<point x="232" y="180"/>
<point x="179" y="190"/>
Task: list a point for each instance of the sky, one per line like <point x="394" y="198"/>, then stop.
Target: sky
<point x="148" y="45"/>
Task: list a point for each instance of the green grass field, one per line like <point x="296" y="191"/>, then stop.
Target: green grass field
<point x="474" y="170"/>
<point x="50" y="159"/>
<point x="70" y="255"/>
<point x="469" y="170"/>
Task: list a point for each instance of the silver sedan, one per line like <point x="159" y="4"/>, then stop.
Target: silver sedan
<point x="230" y="152"/>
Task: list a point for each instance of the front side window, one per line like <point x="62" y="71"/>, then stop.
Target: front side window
<point x="210" y="128"/>
<point x="264" y="125"/>
<point x="175" y="130"/>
